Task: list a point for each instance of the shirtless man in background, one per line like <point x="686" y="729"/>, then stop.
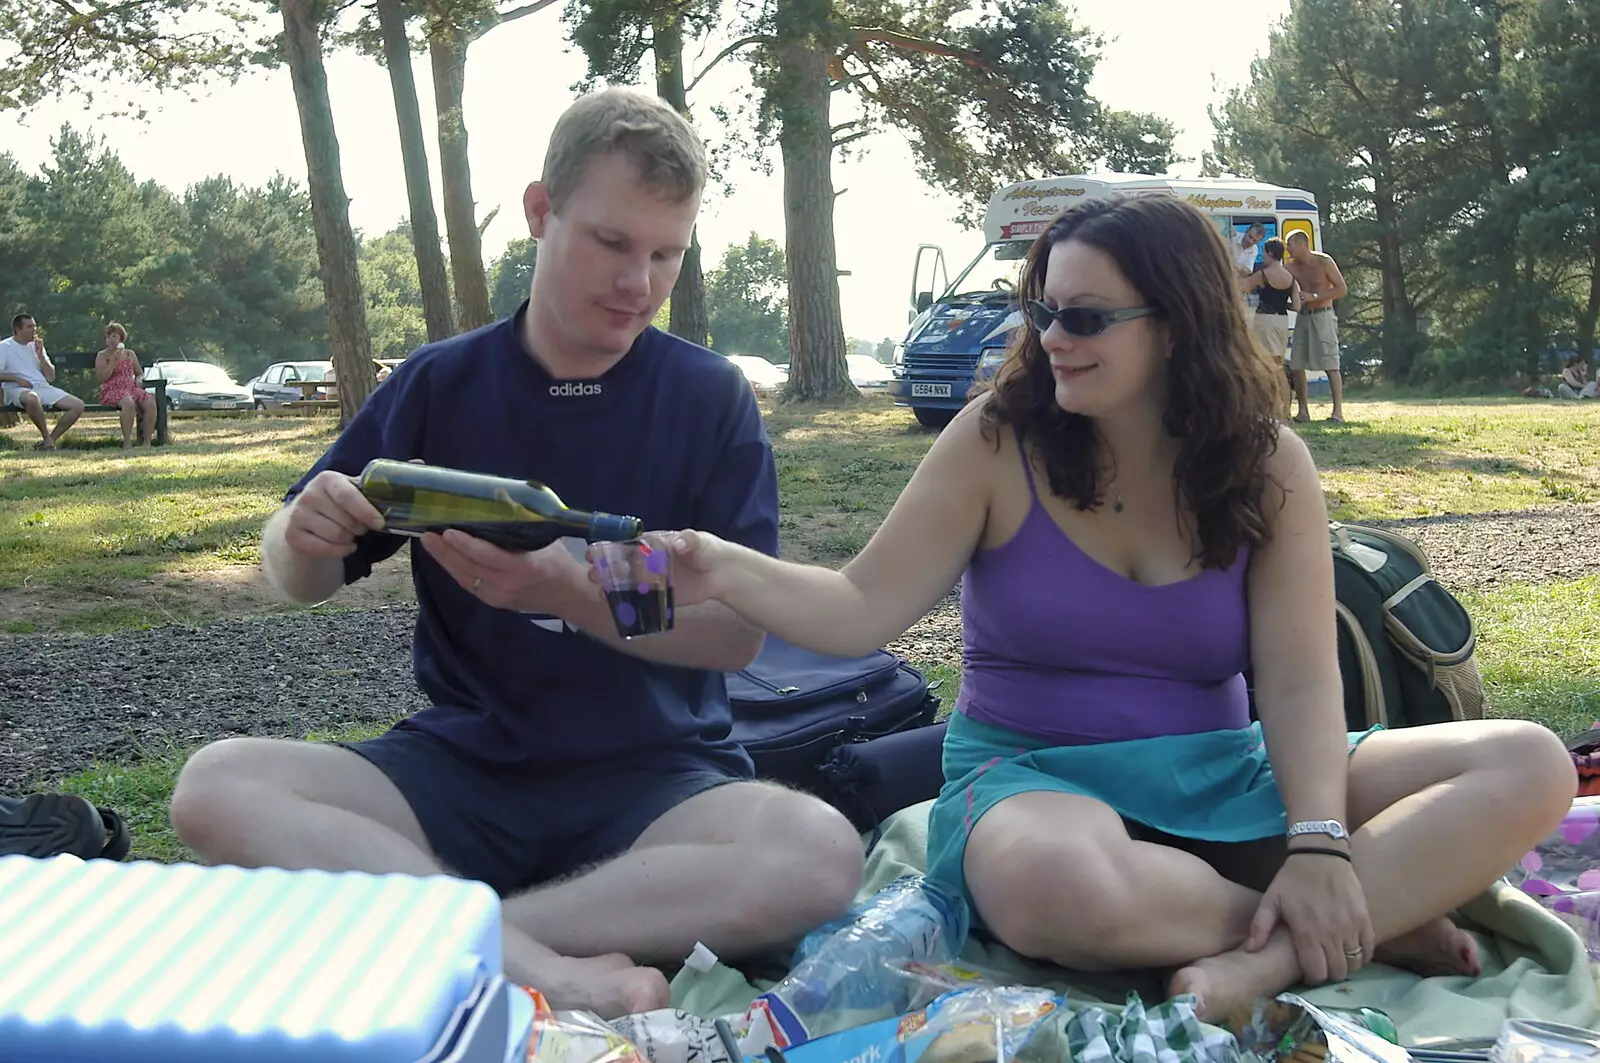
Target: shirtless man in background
<point x="1316" y="338"/>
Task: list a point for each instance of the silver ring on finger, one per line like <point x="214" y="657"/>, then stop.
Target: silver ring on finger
<point x="1355" y="953"/>
<point x="478" y="582"/>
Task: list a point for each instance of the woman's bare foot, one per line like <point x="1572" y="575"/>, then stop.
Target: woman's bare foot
<point x="1235" y="979"/>
<point x="1436" y="948"/>
<point x="606" y="985"/>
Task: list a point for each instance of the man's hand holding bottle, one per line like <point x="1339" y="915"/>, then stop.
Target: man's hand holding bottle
<point x="332" y="511"/>
<point x="328" y="515"/>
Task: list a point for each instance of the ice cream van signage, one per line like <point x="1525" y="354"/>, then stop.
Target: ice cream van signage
<point x="1011" y="230"/>
<point x="1038" y="203"/>
<point x="1205" y="202"/>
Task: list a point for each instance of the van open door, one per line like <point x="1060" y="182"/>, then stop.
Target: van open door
<point x="926" y="285"/>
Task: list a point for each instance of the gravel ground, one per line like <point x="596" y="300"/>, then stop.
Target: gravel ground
<point x="72" y="700"/>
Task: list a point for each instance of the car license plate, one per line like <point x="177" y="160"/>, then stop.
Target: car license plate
<point x="224" y="405"/>
<point x="932" y="391"/>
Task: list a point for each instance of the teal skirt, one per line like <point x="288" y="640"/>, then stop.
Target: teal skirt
<point x="1212" y="786"/>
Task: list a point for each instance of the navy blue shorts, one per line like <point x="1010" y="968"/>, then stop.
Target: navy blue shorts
<point x="518" y="828"/>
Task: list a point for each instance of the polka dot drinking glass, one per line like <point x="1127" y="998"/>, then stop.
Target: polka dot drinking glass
<point x="637" y="579"/>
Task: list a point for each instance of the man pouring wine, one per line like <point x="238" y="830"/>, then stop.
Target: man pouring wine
<point x="587" y="778"/>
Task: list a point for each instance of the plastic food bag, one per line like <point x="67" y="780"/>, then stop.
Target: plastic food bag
<point x="1566" y="862"/>
<point x="1291" y="1030"/>
<point x="668" y="1035"/>
<point x="1533" y="1041"/>
<point x="575" y="1037"/>
<point x="985" y="1025"/>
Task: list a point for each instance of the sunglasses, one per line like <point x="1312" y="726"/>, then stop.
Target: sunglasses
<point x="1083" y="321"/>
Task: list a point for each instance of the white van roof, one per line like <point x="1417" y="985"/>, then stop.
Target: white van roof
<point x="1023" y="210"/>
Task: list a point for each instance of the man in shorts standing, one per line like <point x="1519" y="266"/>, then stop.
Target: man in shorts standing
<point x="1316" y="329"/>
<point x="590" y="780"/>
<point x="27" y="381"/>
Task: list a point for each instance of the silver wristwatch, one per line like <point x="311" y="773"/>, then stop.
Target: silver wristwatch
<point x="1331" y="827"/>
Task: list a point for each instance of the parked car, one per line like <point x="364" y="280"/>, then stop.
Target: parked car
<point x="762" y="374"/>
<point x="278" y="385"/>
<point x="199" y="386"/>
<point x="867" y="372"/>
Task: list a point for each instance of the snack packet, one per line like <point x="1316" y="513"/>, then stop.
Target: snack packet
<point x="668" y="1035"/>
<point x="1293" y="1030"/>
<point x="981" y="1025"/>
<point x="575" y="1037"/>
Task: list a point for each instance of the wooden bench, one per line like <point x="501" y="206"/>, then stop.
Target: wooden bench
<point x="78" y="360"/>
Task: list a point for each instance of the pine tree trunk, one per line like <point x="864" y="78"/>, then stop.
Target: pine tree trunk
<point x="689" y="318"/>
<point x="447" y="49"/>
<point x="1591" y="308"/>
<point x="437" y="312"/>
<point x="817" y="369"/>
<point x="1533" y="336"/>
<point x="1505" y="264"/>
<point x="330" y="210"/>
<point x="1400" y="333"/>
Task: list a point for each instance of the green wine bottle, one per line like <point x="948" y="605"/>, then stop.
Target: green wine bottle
<point x="513" y="514"/>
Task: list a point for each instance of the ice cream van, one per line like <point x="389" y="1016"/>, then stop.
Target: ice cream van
<point x="960" y="329"/>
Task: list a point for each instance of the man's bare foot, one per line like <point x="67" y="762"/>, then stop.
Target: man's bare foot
<point x="1234" y="980"/>
<point x="606" y="985"/>
<point x="1436" y="948"/>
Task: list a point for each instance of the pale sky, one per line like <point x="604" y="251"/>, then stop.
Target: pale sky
<point x="1164" y="56"/>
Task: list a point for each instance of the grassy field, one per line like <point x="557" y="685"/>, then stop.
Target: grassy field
<point x="92" y="539"/>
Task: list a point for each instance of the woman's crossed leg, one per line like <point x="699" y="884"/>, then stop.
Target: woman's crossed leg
<point x="1440" y="812"/>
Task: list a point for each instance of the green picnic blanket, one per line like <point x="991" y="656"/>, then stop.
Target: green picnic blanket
<point x="1535" y="966"/>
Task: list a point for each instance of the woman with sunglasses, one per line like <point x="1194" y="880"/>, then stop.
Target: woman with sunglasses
<point x="1133" y="531"/>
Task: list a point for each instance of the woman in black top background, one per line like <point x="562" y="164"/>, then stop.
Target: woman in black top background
<point x="1277" y="292"/>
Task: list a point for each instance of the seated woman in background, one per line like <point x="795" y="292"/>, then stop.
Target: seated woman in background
<point x="1575" y="382"/>
<point x="121" y="385"/>
<point x="1133" y="530"/>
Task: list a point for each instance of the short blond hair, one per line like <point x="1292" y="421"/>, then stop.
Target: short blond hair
<point x="660" y="143"/>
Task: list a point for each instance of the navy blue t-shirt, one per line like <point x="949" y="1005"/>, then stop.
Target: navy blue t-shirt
<point x="670" y="434"/>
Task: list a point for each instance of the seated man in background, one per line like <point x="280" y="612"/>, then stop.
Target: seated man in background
<point x="27" y="381"/>
<point x="589" y="780"/>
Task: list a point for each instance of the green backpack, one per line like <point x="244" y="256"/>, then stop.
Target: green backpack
<point x="1405" y="643"/>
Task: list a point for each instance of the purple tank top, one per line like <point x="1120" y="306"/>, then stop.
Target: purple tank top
<point x="1059" y="647"/>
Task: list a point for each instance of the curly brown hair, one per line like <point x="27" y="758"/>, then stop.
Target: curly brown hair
<point x="1223" y="394"/>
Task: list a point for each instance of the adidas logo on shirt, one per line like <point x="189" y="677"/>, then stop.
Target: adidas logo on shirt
<point x="569" y="388"/>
